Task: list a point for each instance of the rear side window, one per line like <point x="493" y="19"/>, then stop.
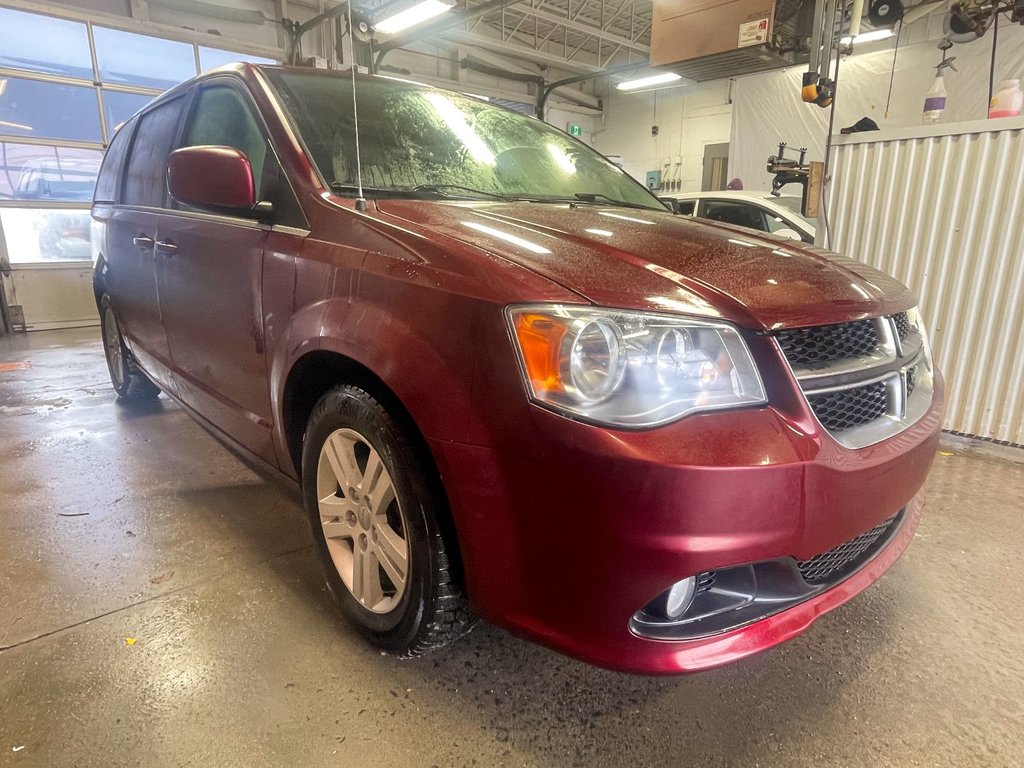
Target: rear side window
<point x="145" y="178"/>
<point x="739" y="214"/>
<point x="221" y="117"/>
<point x="113" y="160"/>
<point x="686" y="207"/>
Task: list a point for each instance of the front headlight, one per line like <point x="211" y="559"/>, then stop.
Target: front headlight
<point x="917" y="324"/>
<point x="631" y="369"/>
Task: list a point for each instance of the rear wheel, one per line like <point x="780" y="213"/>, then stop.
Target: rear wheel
<point x="374" y="515"/>
<point x="130" y="384"/>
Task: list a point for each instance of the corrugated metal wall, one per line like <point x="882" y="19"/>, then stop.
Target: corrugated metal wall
<point x="945" y="215"/>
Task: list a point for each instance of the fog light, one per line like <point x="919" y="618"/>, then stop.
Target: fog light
<point x="680" y="596"/>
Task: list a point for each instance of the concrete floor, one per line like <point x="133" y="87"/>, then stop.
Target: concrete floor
<point x="120" y="524"/>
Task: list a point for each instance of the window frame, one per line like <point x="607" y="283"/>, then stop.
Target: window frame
<point x="238" y="87"/>
<point x="272" y="158"/>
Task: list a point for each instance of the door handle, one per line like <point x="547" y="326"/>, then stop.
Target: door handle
<point x="166" y="247"/>
<point x="142" y="241"/>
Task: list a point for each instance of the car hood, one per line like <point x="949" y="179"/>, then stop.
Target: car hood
<point x="646" y="259"/>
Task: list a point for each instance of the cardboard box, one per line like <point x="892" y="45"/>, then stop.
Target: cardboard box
<point x="690" y="29"/>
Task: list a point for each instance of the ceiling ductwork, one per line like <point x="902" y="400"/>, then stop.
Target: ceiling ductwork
<point x="706" y="39"/>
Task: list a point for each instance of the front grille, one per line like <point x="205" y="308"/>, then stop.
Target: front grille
<point x="823" y="343"/>
<point x="846" y="558"/>
<point x="850" y="407"/>
<point x="903" y="326"/>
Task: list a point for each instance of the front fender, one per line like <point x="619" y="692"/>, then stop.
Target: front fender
<point x="428" y="371"/>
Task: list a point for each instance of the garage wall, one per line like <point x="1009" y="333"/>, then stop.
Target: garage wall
<point x="767" y="110"/>
<point x="937" y="212"/>
<point x="688" y="119"/>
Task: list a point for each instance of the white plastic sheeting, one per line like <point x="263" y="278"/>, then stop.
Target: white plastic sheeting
<point x="767" y="107"/>
<point x="940" y="213"/>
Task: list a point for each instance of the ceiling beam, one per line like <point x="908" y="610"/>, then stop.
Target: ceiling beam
<point x="516" y="50"/>
<point x="578" y="26"/>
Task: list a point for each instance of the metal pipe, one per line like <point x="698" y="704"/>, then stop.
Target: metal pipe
<point x="544" y="92"/>
<point x="856" y="15"/>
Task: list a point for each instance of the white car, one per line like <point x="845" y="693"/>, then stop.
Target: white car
<point x="755" y="210"/>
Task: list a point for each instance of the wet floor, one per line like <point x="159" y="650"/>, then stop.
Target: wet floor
<point x="160" y="606"/>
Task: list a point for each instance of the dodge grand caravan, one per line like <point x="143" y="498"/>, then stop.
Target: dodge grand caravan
<point x="507" y="381"/>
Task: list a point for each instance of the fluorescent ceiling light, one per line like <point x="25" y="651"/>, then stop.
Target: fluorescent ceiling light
<point x="410" y="17"/>
<point x="643" y="82"/>
<point x="868" y="37"/>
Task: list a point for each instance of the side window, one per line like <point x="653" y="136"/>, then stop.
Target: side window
<point x="221" y="117"/>
<point x="145" y="181"/>
<point x="113" y="160"/>
<point x="739" y="214"/>
<point x="686" y="207"/>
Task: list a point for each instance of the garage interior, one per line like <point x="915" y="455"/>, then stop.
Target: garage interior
<point x="159" y="604"/>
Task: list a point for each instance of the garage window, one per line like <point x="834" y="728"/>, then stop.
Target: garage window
<point x="151" y="62"/>
<point x="27" y="109"/>
<point x="58" y="111"/>
<point x="44" y="44"/>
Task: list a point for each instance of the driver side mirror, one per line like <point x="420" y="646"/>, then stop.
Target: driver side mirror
<point x="214" y="178"/>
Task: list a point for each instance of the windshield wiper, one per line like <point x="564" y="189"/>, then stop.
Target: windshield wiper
<point x="593" y="197"/>
<point x="353" y="189"/>
<point x="440" y="189"/>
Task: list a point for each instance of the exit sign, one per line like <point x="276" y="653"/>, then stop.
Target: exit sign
<point x="575" y="129"/>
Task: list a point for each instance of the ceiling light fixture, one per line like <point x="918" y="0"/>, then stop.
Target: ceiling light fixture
<point x="643" y="82"/>
<point x="412" y="16"/>
<point x="868" y="37"/>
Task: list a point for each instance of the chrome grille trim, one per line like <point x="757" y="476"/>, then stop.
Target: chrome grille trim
<point x="899" y="361"/>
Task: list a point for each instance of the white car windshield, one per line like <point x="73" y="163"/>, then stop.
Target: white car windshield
<point x="793" y="205"/>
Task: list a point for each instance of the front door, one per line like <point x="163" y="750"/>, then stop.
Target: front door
<point x="209" y="269"/>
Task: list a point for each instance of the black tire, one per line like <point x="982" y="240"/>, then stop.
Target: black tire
<point x="128" y="381"/>
<point x="431" y="610"/>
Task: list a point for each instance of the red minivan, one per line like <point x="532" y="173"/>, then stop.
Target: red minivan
<point x="509" y="382"/>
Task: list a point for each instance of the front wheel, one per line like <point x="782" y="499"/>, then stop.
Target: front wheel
<point x="130" y="384"/>
<point x="374" y="515"/>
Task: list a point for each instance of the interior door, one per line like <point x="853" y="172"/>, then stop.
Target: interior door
<point x="716" y="167"/>
<point x="209" y="270"/>
<point x="131" y="232"/>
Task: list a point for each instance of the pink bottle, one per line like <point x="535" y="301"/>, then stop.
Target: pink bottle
<point x="1008" y="100"/>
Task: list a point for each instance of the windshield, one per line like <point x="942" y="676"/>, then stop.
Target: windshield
<point x="793" y="205"/>
<point x="418" y="140"/>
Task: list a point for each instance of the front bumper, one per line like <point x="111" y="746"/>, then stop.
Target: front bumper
<point x="567" y="535"/>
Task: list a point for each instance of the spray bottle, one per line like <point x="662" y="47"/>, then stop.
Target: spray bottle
<point x="935" y="99"/>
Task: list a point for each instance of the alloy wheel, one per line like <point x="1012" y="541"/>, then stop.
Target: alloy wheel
<point x="362" y="520"/>
<point x="112" y="345"/>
